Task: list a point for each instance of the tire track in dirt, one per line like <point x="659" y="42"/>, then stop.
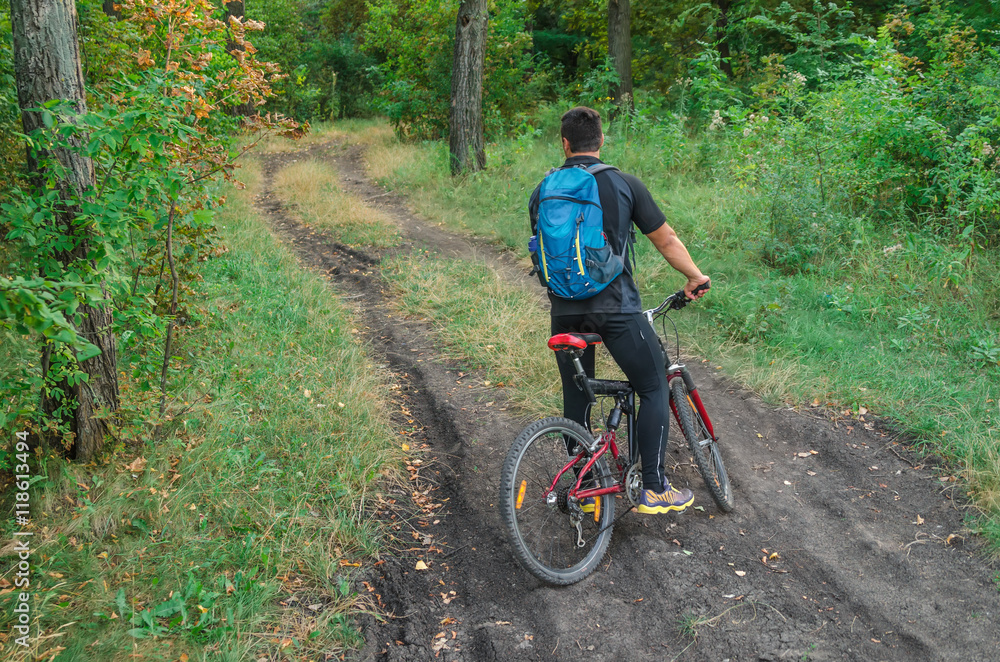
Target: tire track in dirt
<point x="871" y="559"/>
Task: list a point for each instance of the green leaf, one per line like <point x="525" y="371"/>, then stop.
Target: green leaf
<point x="88" y="352"/>
<point x="120" y="601"/>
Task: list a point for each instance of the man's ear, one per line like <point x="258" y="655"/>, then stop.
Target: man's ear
<point x="602" y="140"/>
<point x="565" y="142"/>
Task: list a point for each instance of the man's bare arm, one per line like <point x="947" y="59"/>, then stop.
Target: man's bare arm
<point x="677" y="256"/>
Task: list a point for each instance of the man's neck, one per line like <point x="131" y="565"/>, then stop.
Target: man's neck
<point x="570" y="155"/>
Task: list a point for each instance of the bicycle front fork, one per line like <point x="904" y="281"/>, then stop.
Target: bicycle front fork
<point x="680" y="369"/>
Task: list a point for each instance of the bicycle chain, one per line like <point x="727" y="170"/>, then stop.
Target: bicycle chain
<point x="613" y="522"/>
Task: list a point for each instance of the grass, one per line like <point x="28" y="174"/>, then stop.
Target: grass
<point x="484" y="321"/>
<point x="487" y="323"/>
<point x="868" y="326"/>
<point x="311" y="189"/>
<point x="234" y="535"/>
<point x="318" y="133"/>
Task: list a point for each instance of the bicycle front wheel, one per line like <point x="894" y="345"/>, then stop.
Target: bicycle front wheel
<point x="556" y="540"/>
<point x="702" y="445"/>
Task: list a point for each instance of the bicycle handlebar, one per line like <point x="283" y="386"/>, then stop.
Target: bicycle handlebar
<point x="675" y="301"/>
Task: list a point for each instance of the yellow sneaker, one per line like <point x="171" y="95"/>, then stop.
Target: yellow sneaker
<point x="658" y="503"/>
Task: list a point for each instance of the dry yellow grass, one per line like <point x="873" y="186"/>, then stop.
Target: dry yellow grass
<point x="383" y="160"/>
<point x="316" y="134"/>
<point x="384" y="156"/>
<point x="310" y="188"/>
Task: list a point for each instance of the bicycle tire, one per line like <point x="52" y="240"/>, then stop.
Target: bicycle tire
<point x="703" y="447"/>
<point x="543" y="536"/>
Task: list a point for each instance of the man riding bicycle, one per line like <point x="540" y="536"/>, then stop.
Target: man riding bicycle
<point x="615" y="311"/>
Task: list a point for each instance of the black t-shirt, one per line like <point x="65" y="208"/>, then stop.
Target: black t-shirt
<point x="625" y="200"/>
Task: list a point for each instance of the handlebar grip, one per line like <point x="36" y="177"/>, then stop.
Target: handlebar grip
<point x="680" y="298"/>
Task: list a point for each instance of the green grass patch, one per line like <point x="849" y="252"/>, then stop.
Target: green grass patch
<point x="311" y="189"/>
<point x="225" y="540"/>
<point x="880" y="318"/>
<point x="484" y="321"/>
<point x="487" y="323"/>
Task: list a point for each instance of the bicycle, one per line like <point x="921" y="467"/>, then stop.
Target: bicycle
<point x="555" y="464"/>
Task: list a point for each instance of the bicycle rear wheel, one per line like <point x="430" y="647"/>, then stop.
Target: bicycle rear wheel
<point x="703" y="447"/>
<point x="553" y="538"/>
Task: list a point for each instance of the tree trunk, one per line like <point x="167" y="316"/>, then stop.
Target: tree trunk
<point x="722" y="43"/>
<point x="237" y="9"/>
<point x="109" y="8"/>
<point x="47" y="67"/>
<point x="620" y="50"/>
<point x="466" y="145"/>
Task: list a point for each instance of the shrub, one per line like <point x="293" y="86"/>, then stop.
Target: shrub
<point x="416" y="39"/>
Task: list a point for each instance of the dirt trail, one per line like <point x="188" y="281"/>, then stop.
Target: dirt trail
<point x="856" y="552"/>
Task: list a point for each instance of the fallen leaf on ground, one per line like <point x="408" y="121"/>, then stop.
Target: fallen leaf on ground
<point x="741" y="573"/>
<point x="420" y="565"/>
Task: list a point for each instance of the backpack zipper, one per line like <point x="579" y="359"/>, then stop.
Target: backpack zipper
<point x="566" y="197"/>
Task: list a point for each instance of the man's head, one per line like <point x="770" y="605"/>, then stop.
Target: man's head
<point x="581" y="130"/>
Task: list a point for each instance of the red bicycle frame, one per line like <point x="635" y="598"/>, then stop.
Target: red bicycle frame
<point x="607" y="443"/>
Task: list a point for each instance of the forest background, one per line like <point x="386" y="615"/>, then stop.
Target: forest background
<point x="833" y="165"/>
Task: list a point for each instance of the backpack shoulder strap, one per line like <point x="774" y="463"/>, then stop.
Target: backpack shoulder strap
<point x="599" y="167"/>
<point x="629" y="244"/>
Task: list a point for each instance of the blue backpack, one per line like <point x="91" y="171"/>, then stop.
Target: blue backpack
<point x="570" y="251"/>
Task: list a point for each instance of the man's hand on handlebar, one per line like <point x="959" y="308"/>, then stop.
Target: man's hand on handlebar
<point x="696" y="288"/>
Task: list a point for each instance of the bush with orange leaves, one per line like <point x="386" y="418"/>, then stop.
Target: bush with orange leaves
<point x="160" y="131"/>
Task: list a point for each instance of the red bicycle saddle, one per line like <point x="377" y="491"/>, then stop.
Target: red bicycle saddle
<point x="563" y="341"/>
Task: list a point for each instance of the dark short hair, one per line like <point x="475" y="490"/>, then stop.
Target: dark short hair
<point x="581" y="126"/>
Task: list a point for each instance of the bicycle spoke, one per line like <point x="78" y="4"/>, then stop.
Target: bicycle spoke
<point x="542" y="529"/>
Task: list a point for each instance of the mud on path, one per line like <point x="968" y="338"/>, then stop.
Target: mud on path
<point x="854" y="552"/>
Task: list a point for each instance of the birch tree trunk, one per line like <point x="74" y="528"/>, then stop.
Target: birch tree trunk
<point x="620" y="50"/>
<point x="47" y="67"/>
<point x="466" y="144"/>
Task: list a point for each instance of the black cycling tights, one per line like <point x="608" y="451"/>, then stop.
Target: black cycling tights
<point x="634" y="347"/>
